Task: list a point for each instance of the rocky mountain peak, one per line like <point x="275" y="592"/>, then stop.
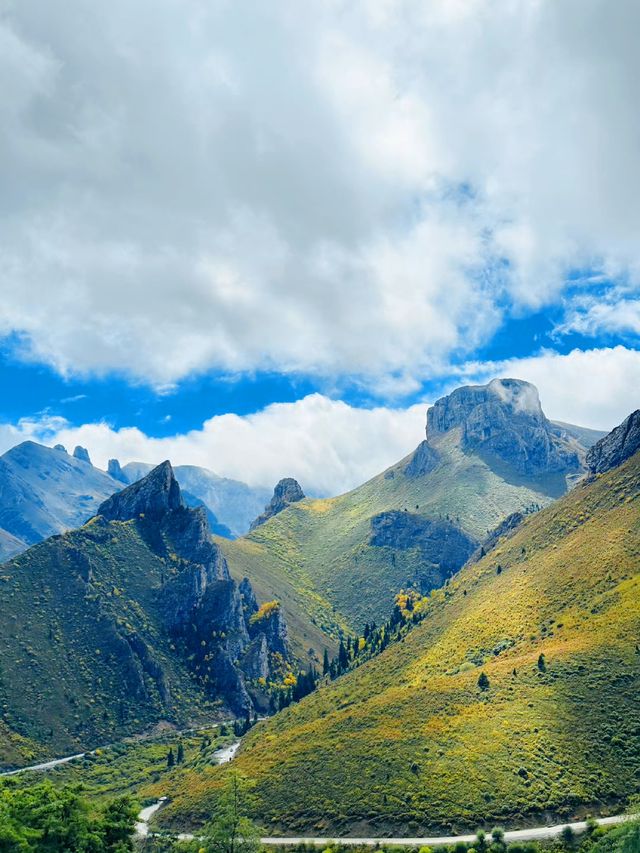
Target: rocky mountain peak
<point x="286" y="492"/>
<point x="82" y="454"/>
<point x="115" y="470"/>
<point x="154" y="496"/>
<point x="616" y="447"/>
<point x="504" y="420"/>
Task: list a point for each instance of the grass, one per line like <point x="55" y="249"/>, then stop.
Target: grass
<point x="316" y="558"/>
<point x="409" y="742"/>
<point x="67" y="678"/>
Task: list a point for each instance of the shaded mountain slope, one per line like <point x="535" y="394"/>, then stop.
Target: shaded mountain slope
<point x="127" y="621"/>
<point x="411" y="743"/>
<point x="485" y="457"/>
<point x="44" y="491"/>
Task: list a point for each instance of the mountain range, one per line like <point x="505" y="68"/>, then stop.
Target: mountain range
<point x="512" y="699"/>
<point x="44" y="491"/>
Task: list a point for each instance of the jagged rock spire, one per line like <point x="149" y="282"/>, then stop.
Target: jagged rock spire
<point x="504" y="420"/>
<point x="82" y="453"/>
<point x="115" y="470"/>
<point x="287" y="491"/>
<point x="154" y="496"/>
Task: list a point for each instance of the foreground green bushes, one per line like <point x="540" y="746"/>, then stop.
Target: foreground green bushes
<point x="47" y="819"/>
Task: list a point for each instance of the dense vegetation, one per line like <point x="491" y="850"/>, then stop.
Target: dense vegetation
<point x="318" y="559"/>
<point x="46" y="819"/>
<point x="415" y="739"/>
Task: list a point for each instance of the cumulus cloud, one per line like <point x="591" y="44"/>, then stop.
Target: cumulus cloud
<point x="326" y="444"/>
<point x="347" y="190"/>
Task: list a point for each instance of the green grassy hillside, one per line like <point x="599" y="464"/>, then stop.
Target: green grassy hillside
<point x="68" y="678"/>
<point x="316" y="555"/>
<point x="409" y="742"/>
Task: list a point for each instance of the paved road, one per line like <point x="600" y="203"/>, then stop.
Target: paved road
<point x="48" y="765"/>
<point x="532" y="834"/>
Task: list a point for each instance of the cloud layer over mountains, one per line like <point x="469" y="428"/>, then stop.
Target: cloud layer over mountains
<point x="330" y="446"/>
<point x="359" y="189"/>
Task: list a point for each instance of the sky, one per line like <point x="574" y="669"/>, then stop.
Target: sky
<point x="263" y="237"/>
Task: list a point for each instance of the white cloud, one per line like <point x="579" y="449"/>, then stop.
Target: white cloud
<point x="328" y="189"/>
<point x="330" y="446"/>
<point x="327" y="445"/>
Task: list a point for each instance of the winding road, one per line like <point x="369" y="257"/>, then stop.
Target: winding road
<point x="227" y="754"/>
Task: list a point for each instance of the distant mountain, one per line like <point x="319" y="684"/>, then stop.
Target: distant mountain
<point x="587" y="437"/>
<point x="233" y="504"/>
<point x="127" y="621"/>
<point x="514" y="700"/>
<point x="337" y="563"/>
<point x="44" y="491"/>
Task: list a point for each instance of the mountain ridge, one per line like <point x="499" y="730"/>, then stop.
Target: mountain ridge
<point x="514" y="697"/>
<point x="128" y="621"/>
<point x="320" y="557"/>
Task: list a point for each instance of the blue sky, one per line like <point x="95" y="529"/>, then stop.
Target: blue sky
<point x="263" y="241"/>
<point x="37" y="390"/>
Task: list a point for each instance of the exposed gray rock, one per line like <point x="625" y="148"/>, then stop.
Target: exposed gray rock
<point x="274" y="628"/>
<point x="286" y="492"/>
<point x="442" y="544"/>
<point x="60" y="447"/>
<point x="82" y="454"/>
<point x="255" y="663"/>
<point x="504" y="420"/>
<point x="616" y="447"/>
<point x="424" y="460"/>
<point x="114" y="470"/>
<point x="203" y="609"/>
<point x="149" y="665"/>
<point x="248" y="597"/>
<point x="152" y="497"/>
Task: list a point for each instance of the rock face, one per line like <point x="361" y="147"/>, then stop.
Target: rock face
<point x="114" y="470"/>
<point x="616" y="447"/>
<point x="424" y="460"/>
<point x="82" y="453"/>
<point x="154" y="496"/>
<point x="504" y="420"/>
<point x="207" y="613"/>
<point x="286" y="492"/>
<point x="443" y="546"/>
